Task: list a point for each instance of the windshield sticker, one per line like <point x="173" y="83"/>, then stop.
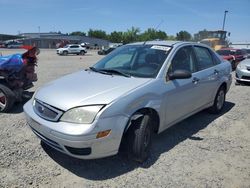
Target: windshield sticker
<point x="164" y="48"/>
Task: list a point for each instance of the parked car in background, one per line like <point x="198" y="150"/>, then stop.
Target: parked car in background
<point x="248" y="53"/>
<point x="135" y="91"/>
<point x="71" y="49"/>
<point x="85" y="45"/>
<point x="14" y="44"/>
<point x="242" y="73"/>
<point x="234" y="56"/>
<point x="105" y="51"/>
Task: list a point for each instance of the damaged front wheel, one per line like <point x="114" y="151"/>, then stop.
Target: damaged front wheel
<point x="7" y="98"/>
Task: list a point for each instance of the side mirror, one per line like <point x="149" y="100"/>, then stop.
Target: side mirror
<point x="179" y="74"/>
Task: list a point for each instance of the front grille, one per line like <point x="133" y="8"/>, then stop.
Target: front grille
<point x="246" y="77"/>
<point x="46" y="111"/>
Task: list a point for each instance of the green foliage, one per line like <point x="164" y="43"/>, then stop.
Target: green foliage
<point x="116" y="37"/>
<point x="78" y="33"/>
<point x="132" y="35"/>
<point x="97" y="34"/>
<point x="152" y="34"/>
<point x="183" y="36"/>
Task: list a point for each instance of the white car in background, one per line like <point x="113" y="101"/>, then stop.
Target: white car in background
<point x="242" y="73"/>
<point x="71" y="49"/>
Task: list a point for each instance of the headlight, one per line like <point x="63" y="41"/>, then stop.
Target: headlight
<point x="240" y="66"/>
<point x="85" y="114"/>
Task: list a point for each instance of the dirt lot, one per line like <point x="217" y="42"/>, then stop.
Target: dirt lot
<point x="202" y="151"/>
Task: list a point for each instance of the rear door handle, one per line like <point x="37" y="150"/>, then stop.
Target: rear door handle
<point x="195" y="80"/>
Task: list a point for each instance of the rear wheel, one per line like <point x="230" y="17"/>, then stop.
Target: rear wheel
<point x="7" y="98"/>
<point x="219" y="101"/>
<point x="82" y="52"/>
<point x="139" y="139"/>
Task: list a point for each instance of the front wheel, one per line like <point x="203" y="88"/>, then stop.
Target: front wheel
<point x="219" y="101"/>
<point x="65" y="53"/>
<point x="139" y="138"/>
<point x="7" y="98"/>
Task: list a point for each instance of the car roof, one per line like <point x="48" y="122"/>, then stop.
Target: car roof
<point x="233" y="49"/>
<point x="73" y="44"/>
<point x="167" y="43"/>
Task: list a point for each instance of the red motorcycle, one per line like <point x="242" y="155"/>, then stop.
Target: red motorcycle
<point x="17" y="74"/>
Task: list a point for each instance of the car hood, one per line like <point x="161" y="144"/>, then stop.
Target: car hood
<point x="245" y="62"/>
<point x="86" y="88"/>
<point x="60" y="48"/>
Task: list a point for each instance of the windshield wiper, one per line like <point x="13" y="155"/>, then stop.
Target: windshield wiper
<point x="109" y="71"/>
<point x="114" y="71"/>
<point x="100" y="71"/>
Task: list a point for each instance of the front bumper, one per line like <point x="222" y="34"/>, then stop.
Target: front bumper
<point x="59" y="52"/>
<point x="78" y="140"/>
<point x="242" y="75"/>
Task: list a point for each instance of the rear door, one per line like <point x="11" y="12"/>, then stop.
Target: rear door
<point x="73" y="49"/>
<point x="207" y="75"/>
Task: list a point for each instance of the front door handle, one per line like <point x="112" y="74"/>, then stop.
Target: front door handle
<point x="216" y="72"/>
<point x="195" y="80"/>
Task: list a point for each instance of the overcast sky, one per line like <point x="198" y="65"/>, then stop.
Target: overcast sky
<point x="172" y="16"/>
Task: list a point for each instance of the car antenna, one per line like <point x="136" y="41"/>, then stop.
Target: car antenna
<point x="155" y="28"/>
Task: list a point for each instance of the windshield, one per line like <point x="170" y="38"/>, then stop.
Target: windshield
<point x="135" y="60"/>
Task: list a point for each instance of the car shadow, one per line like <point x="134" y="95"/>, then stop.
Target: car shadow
<point x="242" y="83"/>
<point x="110" y="167"/>
<point x="18" y="106"/>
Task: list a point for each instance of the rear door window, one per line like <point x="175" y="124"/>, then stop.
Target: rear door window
<point x="204" y="58"/>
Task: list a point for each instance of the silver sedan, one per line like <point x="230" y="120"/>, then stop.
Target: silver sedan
<point x="242" y="72"/>
<point x="135" y="91"/>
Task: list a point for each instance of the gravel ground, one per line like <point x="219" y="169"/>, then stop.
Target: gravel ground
<point x="202" y="151"/>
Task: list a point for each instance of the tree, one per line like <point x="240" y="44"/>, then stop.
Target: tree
<point x="78" y="33"/>
<point x="97" y="34"/>
<point x="152" y="34"/>
<point x="131" y="35"/>
<point x="116" y="36"/>
<point x="183" y="36"/>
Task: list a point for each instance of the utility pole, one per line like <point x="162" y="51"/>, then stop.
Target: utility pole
<point x="224" y="20"/>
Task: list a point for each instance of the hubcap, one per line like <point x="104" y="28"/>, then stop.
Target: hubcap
<point x="2" y="101"/>
<point x="220" y="99"/>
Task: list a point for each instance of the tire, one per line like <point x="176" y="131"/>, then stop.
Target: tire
<point x="7" y="98"/>
<point x="219" y="101"/>
<point x="140" y="139"/>
<point x="65" y="53"/>
<point x="82" y="52"/>
<point x="237" y="82"/>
